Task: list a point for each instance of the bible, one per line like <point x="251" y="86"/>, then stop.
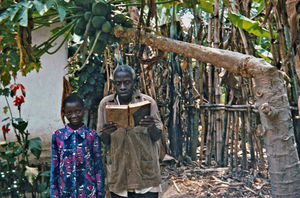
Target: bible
<point x="127" y="115"/>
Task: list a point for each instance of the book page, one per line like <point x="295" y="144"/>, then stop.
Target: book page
<point x="117" y="114"/>
<point x="127" y="115"/>
<point x="138" y="111"/>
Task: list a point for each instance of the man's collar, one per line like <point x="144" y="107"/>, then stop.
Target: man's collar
<point x="136" y="96"/>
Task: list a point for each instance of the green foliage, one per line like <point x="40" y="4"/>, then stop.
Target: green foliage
<point x="85" y="4"/>
<point x="247" y="24"/>
<point x="98" y="21"/>
<point x="81" y="22"/>
<point x="9" y="57"/>
<point x="104" y="37"/>
<point x="87" y="15"/>
<point x="91" y="83"/>
<point x="14" y="15"/>
<point x="263" y="53"/>
<point x="102" y="21"/>
<point x="35" y="146"/>
<point x="14" y="183"/>
<point x="78" y="30"/>
<point x="206" y="5"/>
<point x="74" y="15"/>
<point x="4" y="92"/>
<point x="100" y="47"/>
<point x="119" y="18"/>
<point x="17" y="174"/>
<point x="100" y="8"/>
<point x="19" y="13"/>
<point x="79" y="27"/>
<point x="226" y="2"/>
<point x="20" y="125"/>
<point x="106" y="27"/>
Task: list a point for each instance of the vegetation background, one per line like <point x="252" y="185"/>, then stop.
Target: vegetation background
<point x="220" y="104"/>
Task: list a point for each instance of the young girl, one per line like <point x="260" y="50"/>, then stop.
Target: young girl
<point x="76" y="162"/>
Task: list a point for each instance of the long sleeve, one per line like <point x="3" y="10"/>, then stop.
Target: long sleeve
<point x="54" y="187"/>
<point x="98" y="167"/>
<point x="155" y="114"/>
<point x="101" y="116"/>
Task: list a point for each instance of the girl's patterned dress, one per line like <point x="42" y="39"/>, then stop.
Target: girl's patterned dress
<point x="76" y="164"/>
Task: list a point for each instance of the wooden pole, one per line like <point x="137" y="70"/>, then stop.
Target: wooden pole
<point x="229" y="119"/>
<point x="243" y="136"/>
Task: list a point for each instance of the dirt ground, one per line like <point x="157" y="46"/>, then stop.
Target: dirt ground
<point x="190" y="181"/>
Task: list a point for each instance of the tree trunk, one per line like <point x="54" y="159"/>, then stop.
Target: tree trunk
<point x="279" y="134"/>
<point x="292" y="8"/>
<point x="272" y="103"/>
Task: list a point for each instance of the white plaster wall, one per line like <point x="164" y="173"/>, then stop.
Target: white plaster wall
<point x="43" y="94"/>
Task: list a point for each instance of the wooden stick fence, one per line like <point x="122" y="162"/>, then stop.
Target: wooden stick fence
<point x="241" y="145"/>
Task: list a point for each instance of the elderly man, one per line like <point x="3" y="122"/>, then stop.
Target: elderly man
<point x="132" y="161"/>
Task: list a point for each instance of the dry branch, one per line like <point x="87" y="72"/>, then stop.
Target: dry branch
<point x="244" y="65"/>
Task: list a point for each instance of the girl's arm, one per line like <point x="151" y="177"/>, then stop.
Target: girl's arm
<point x="99" y="172"/>
<point x="54" y="175"/>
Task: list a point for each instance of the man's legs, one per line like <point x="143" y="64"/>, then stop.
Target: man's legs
<point x="135" y="195"/>
<point x="146" y="195"/>
<point x="113" y="195"/>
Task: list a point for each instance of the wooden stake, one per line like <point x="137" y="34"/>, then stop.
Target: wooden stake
<point x="236" y="143"/>
<point x="243" y="134"/>
<point x="229" y="118"/>
<point x="250" y="137"/>
<point x="232" y="140"/>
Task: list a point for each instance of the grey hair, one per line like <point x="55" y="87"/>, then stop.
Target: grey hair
<point x="124" y="68"/>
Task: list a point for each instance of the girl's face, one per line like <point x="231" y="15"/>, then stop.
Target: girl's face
<point x="74" y="114"/>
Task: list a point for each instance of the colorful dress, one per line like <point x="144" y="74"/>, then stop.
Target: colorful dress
<point x="76" y="164"/>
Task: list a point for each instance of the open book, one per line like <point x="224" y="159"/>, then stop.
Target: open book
<point x="127" y="115"/>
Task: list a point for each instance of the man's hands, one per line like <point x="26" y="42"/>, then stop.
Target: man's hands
<point x="108" y="129"/>
<point x="149" y="122"/>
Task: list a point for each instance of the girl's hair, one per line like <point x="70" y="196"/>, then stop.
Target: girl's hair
<point x="72" y="98"/>
<point x="124" y="68"/>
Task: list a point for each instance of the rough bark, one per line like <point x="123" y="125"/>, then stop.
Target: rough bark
<point x="279" y="134"/>
<point x="241" y="64"/>
<point x="293" y="12"/>
<point x="271" y="98"/>
<point x="218" y="93"/>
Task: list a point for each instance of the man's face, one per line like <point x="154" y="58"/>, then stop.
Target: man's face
<point x="124" y="85"/>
